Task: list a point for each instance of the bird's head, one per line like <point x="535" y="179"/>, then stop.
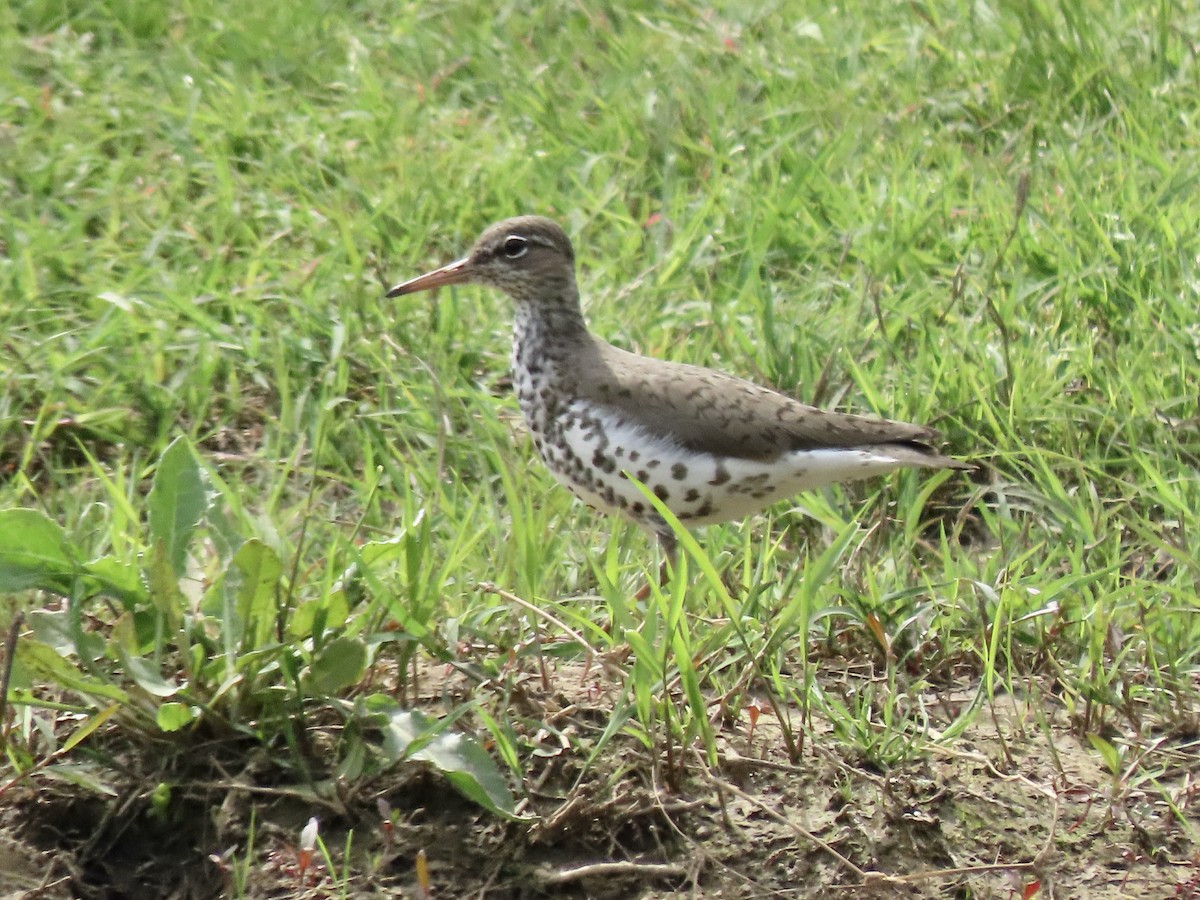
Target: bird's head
<point x="529" y="258"/>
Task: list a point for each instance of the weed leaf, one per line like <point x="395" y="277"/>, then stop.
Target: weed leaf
<point x="34" y="553"/>
<point x="176" y="502"/>
<point x="44" y="662"/>
<point x="260" y="571"/>
<point x="174" y="716"/>
<point x="339" y="664"/>
<point x="146" y="675"/>
<point x="409" y="734"/>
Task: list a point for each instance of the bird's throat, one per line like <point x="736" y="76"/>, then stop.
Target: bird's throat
<point x="549" y="342"/>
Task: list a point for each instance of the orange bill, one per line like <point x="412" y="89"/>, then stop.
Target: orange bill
<point x="452" y="273"/>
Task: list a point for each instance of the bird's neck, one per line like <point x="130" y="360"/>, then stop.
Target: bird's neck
<point x="548" y="330"/>
<point x="549" y="341"/>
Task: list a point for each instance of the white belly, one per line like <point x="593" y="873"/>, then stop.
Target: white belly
<point x="600" y="453"/>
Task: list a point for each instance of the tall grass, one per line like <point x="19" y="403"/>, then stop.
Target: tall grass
<point x="978" y="215"/>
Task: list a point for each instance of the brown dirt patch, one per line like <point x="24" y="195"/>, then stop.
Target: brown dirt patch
<point x="1017" y="802"/>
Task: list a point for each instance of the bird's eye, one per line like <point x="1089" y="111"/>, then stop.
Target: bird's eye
<point x="514" y="247"/>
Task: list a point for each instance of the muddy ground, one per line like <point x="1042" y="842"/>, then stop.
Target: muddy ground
<point x="1018" y="806"/>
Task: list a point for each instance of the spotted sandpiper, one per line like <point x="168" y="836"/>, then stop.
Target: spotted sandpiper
<point x="710" y="446"/>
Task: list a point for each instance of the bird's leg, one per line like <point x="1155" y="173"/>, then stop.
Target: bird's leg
<point x="668" y="547"/>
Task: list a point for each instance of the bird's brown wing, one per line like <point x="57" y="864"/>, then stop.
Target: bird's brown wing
<point x="710" y="412"/>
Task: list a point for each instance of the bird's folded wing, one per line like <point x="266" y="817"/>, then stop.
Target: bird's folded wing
<point x="710" y="412"/>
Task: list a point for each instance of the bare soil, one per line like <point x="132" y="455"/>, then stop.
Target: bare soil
<point x="1019" y="806"/>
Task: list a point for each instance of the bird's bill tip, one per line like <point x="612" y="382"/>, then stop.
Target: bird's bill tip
<point x="454" y="273"/>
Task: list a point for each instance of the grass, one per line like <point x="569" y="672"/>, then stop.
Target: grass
<point x="980" y="216"/>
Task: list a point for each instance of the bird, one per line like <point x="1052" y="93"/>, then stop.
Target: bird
<point x="710" y="446"/>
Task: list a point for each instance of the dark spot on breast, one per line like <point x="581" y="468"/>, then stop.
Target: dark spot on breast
<point x="638" y="507"/>
<point x="691" y="496"/>
<point x="604" y="462"/>
<point x="662" y="493"/>
<point x="642" y="475"/>
<point x="721" y="476"/>
<point x="634" y="456"/>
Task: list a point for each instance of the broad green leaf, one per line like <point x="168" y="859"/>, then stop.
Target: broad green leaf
<point x="146" y="676"/>
<point x="352" y="764"/>
<point x="163" y="582"/>
<point x="260" y="570"/>
<point x="173" y="716"/>
<point x="34" y="553"/>
<point x="335" y="608"/>
<point x="176" y="502"/>
<point x="58" y="629"/>
<point x="409" y="734"/>
<point x="117" y="579"/>
<point x="221" y="531"/>
<point x="45" y="664"/>
<point x="124" y="635"/>
<point x="339" y="664"/>
<point x="469" y="768"/>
